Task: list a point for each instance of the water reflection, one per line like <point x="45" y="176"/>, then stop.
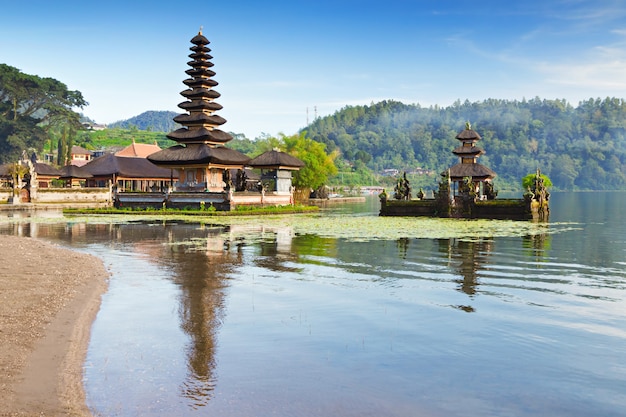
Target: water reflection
<point x="202" y="274"/>
<point x="468" y="258"/>
<point x="200" y="260"/>
<point x="265" y="321"/>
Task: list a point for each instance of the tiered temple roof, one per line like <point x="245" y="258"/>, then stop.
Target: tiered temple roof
<point x="468" y="153"/>
<point x="200" y="140"/>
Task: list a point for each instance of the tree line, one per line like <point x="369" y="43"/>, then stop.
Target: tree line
<point x="581" y="147"/>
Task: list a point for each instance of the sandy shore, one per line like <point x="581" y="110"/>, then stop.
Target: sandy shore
<point x="49" y="296"/>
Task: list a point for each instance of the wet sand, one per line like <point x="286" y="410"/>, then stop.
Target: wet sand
<point x="49" y="297"/>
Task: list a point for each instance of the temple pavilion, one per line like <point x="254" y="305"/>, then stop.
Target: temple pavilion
<point x="468" y="167"/>
<point x="200" y="159"/>
<point x="464" y="189"/>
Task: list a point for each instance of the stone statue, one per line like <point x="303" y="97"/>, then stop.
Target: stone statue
<point x="402" y="190"/>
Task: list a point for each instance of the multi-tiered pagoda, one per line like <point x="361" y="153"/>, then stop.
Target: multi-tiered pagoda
<point x="468" y="172"/>
<point x="200" y="158"/>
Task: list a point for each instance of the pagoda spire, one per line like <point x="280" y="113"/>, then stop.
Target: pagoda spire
<point x="200" y="123"/>
<point x="468" y="154"/>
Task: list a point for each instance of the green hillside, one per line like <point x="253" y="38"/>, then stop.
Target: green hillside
<point x="154" y="121"/>
<point x="113" y="139"/>
<point x="580" y="147"/>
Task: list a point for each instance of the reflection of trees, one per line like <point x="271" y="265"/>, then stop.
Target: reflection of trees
<point x="403" y="246"/>
<point x="278" y="248"/>
<point x="537" y="244"/>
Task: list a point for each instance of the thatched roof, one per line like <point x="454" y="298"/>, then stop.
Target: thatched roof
<point x="198" y="153"/>
<point x="199" y="119"/>
<point x="467" y="150"/>
<point x="200" y="105"/>
<point x="199" y="93"/>
<point x="202" y="134"/>
<point x="73" y="171"/>
<point x="476" y="171"/>
<point x="276" y="159"/>
<point x="40" y="169"/>
<point x="46" y="170"/>
<point x="200" y="39"/>
<point x="109" y="164"/>
<point x="468" y="134"/>
<point x="200" y="82"/>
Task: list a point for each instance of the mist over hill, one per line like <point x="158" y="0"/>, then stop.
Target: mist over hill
<point x="581" y="147"/>
<point x="155" y="121"/>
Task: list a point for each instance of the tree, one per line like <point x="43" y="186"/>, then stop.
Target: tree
<point x="29" y="107"/>
<point x="564" y="172"/>
<point x="529" y="180"/>
<point x="318" y="165"/>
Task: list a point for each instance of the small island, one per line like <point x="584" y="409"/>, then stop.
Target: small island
<point x="466" y="191"/>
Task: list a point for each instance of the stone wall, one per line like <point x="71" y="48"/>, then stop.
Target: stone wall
<point x="509" y="209"/>
<point x="72" y="195"/>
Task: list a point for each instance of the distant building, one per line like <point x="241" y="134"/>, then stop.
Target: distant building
<point x="94" y="126"/>
<point x="138" y="150"/>
<point x="79" y="156"/>
<point x="421" y="171"/>
<point x="127" y="174"/>
<point x="390" y="172"/>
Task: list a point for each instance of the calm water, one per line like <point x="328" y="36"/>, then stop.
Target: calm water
<point x="261" y="320"/>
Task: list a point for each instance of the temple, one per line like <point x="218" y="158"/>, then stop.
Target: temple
<point x="203" y="170"/>
<point x="468" y="167"/>
<point x="466" y="191"/>
<point x="200" y="157"/>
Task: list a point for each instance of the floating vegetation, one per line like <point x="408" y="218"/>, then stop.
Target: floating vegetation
<point x="364" y="228"/>
<point x="357" y="227"/>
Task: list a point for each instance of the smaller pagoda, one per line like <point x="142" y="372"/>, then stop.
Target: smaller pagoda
<point x="468" y="175"/>
<point x="276" y="168"/>
<point x="466" y="191"/>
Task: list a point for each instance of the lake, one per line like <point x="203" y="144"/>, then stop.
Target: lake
<point x="350" y="314"/>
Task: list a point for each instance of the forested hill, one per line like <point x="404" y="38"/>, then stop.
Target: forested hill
<point x="580" y="147"/>
<point x="155" y="121"/>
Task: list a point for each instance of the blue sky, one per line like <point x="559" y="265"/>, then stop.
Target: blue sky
<point x="281" y="63"/>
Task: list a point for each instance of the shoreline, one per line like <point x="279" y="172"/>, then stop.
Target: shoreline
<point x="49" y="299"/>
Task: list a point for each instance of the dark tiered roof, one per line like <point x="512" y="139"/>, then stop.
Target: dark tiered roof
<point x="200" y="123"/>
<point x="467" y="150"/>
<point x="202" y="134"/>
<point x="468" y="134"/>
<point x="476" y="171"/>
<point x="468" y="166"/>
<point x="46" y="170"/>
<point x="200" y="139"/>
<point x="276" y="159"/>
<point x="198" y="153"/>
<point x="121" y="166"/>
<point x="74" y="171"/>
